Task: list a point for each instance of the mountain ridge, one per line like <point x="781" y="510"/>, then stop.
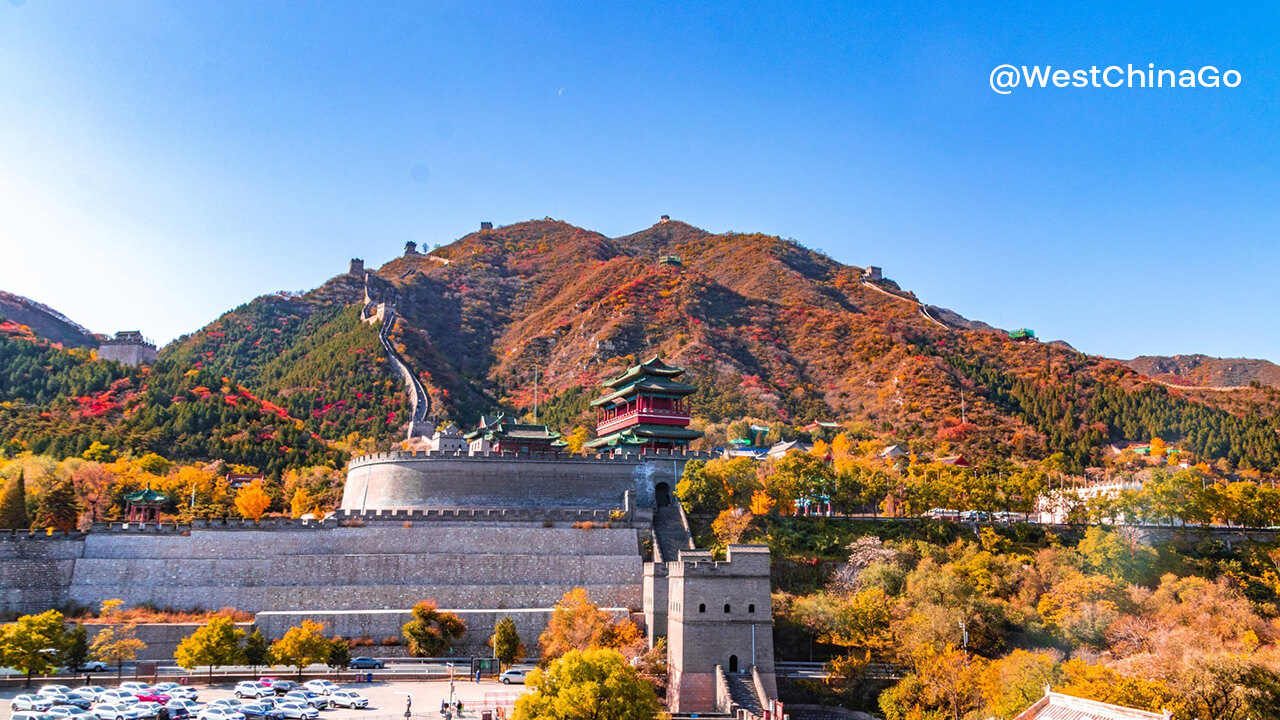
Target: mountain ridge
<point x="767" y="328"/>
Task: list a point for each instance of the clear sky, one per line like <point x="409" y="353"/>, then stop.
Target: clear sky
<point x="161" y="162"/>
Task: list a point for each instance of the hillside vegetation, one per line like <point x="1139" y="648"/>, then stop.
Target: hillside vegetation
<point x="768" y="329"/>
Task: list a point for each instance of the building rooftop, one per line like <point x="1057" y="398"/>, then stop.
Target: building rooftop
<point x="1057" y="706"/>
<point x="652" y="366"/>
<point x="651" y="385"/>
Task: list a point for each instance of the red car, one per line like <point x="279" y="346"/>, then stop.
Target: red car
<point x="152" y="696"/>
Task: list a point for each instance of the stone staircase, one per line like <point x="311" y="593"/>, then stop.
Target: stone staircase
<point x="669" y="532"/>
<point x="742" y="691"/>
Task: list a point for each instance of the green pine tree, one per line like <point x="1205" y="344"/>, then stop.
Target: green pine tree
<point x="13" y="505"/>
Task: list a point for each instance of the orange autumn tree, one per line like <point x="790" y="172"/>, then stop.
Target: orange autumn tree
<point x="252" y="501"/>
<point x="579" y="624"/>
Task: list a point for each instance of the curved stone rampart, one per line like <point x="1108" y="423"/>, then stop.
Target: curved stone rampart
<point x="406" y="479"/>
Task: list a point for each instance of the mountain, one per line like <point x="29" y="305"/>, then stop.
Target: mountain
<point x="41" y="321"/>
<point x="1205" y="371"/>
<point x="767" y="329"/>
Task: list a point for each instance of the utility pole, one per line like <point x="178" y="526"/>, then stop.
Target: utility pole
<point x="535" y="394"/>
<point x="963" y="420"/>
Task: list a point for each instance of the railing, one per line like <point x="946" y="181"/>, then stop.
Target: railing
<point x="607" y="423"/>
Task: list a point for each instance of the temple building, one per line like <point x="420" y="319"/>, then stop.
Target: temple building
<point x="644" y="408"/>
<point x="500" y="434"/>
<point x="144" y="505"/>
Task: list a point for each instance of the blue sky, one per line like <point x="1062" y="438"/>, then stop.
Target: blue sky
<point x="163" y="162"/>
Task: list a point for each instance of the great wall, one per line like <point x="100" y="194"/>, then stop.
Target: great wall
<point x="486" y="533"/>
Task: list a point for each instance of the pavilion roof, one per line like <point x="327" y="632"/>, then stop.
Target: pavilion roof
<point x="651" y="385"/>
<point x="652" y="366"/>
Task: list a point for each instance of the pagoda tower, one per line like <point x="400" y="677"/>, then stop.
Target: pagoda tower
<point x="644" y="408"/>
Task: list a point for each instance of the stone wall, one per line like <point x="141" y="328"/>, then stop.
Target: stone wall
<point x="424" y="480"/>
<point x="36" y="571"/>
<point x="380" y="566"/>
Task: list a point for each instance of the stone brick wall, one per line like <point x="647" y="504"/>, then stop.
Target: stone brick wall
<point x="419" y="480"/>
<point x="36" y="571"/>
<point x="384" y="565"/>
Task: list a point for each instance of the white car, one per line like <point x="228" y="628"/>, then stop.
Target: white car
<point x="114" y="711"/>
<point x="219" y="712"/>
<point x="148" y="709"/>
<point x="68" y="712"/>
<point x="94" y="666"/>
<point x="53" y="690"/>
<point x="306" y="696"/>
<point x="27" y="701"/>
<point x="134" y="687"/>
<point x="89" y="692"/>
<point x="118" y="696"/>
<point x="253" y="689"/>
<point x="324" y="687"/>
<point x="231" y="703"/>
<point x="297" y="711"/>
<point x="190" y="706"/>
<point x="512" y="676"/>
<point x="28" y="715"/>
<point x="348" y="699"/>
<point x="174" y="690"/>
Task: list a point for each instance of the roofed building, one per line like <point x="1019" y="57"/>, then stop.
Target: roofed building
<point x="499" y="434"/>
<point x="1056" y="706"/>
<point x="644" y="408"/>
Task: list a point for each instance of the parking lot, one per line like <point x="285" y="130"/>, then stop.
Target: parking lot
<point x="387" y="700"/>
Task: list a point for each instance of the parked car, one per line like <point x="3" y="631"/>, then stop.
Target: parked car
<point x="281" y="687"/>
<point x="226" y="703"/>
<point x="190" y="706"/>
<point x="148" y="708"/>
<point x="260" y="711"/>
<point x="114" y="711"/>
<point x="118" y="696"/>
<point x="134" y="686"/>
<point x="253" y="689"/>
<point x="324" y="687"/>
<point x="61" y="698"/>
<point x="174" y="690"/>
<point x="365" y="663"/>
<point x="348" y="699"/>
<point x="219" y="712"/>
<point x="152" y="695"/>
<point x="307" y="697"/>
<point x="68" y="712"/>
<point x="297" y="711"/>
<point x="93" y="666"/>
<point x="29" y="701"/>
<point x="53" y="690"/>
<point x="89" y="691"/>
<point x="943" y="514"/>
<point x="512" y="676"/>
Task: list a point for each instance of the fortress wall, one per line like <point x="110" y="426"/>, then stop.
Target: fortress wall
<point x="371" y="539"/>
<point x="384" y="565"/>
<point x="35" y="572"/>
<point x="353" y="597"/>
<point x="403" y="479"/>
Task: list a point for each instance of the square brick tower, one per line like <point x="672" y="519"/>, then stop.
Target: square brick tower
<point x="718" y="614"/>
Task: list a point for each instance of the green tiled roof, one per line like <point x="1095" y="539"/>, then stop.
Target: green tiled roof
<point x="650" y="385"/>
<point x="641" y="434"/>
<point x="652" y="366"/>
<point x="146" y="495"/>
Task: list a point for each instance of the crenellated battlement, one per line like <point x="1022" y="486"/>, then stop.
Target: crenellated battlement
<point x="566" y="458"/>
